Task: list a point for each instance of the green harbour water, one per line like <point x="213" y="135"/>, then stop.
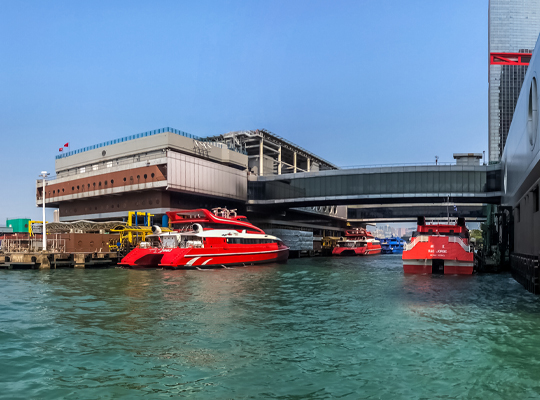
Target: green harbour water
<point x="314" y="328"/>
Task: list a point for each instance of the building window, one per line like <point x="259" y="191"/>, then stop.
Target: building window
<point x="109" y="164"/>
<point x="95" y="167"/>
<point x="82" y="170"/>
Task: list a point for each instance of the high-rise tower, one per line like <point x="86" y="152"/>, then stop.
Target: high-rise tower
<point x="514" y="26"/>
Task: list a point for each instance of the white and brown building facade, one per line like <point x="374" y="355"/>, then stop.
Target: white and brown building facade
<point x="154" y="172"/>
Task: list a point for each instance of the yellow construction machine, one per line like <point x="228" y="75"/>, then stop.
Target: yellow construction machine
<point x="132" y="233"/>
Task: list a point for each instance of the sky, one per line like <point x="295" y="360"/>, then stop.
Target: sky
<point x="355" y="82"/>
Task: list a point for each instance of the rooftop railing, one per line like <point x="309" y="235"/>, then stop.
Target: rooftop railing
<point x="421" y="164"/>
<point x="133" y="137"/>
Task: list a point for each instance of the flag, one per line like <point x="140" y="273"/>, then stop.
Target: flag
<point x="61" y="149"/>
<point x="66" y="145"/>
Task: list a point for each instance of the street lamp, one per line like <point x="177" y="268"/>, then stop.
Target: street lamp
<point x="44" y="174"/>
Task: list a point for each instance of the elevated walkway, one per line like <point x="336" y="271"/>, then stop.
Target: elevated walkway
<point x="378" y="185"/>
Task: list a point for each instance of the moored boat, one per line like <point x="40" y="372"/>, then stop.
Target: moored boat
<point x="439" y="249"/>
<point x="206" y="239"/>
<point x="357" y="242"/>
<point x="392" y="245"/>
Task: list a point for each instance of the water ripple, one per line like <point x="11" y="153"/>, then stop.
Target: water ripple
<point x="319" y="328"/>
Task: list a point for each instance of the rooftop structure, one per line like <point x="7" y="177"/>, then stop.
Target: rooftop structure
<point x="270" y="154"/>
<point x="468" y="158"/>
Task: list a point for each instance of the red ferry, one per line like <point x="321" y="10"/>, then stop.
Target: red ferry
<point x="358" y="242"/>
<point x="206" y="239"/>
<point x="439" y="249"/>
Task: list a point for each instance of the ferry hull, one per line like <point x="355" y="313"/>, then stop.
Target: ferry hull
<point x="391" y="251"/>
<point x="190" y="258"/>
<point x="358" y="251"/>
<point x="427" y="267"/>
<point x="439" y="256"/>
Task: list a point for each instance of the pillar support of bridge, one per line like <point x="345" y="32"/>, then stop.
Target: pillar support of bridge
<point x="279" y="161"/>
<point x="261" y="164"/>
<point x="294" y="164"/>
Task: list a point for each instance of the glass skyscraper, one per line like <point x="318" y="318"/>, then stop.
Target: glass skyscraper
<point x="514" y="26"/>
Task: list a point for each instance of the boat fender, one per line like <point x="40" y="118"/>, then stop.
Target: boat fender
<point x="197" y="228"/>
<point x="156" y="229"/>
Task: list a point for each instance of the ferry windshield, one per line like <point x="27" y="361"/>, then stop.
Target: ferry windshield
<point x="435" y="232"/>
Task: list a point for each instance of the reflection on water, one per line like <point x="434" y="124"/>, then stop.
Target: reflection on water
<point x="313" y="328"/>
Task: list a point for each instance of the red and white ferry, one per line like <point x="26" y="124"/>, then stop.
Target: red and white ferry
<point x="358" y="242"/>
<point x="206" y="239"/>
<point x="439" y="249"/>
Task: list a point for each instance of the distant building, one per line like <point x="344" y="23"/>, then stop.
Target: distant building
<point x="514" y="26"/>
<point x="167" y="169"/>
<point x="153" y="171"/>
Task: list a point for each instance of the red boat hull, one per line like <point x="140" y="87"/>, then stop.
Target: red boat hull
<point x="204" y="257"/>
<point x="356" y="251"/>
<point x="426" y="267"/>
<point x="438" y="255"/>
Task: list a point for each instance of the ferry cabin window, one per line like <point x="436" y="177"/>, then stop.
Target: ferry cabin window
<point x="226" y="226"/>
<point x="249" y="241"/>
<point x="430" y="233"/>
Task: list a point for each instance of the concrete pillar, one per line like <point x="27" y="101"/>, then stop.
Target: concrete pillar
<point x="79" y="259"/>
<point x="279" y="161"/>
<point x="261" y="164"/>
<point x="308" y="164"/>
<point x="43" y="261"/>
<point x="294" y="164"/>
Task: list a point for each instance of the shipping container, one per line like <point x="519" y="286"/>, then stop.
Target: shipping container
<point x="19" y="225"/>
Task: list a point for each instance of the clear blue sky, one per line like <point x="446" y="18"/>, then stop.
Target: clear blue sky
<point x="356" y="82"/>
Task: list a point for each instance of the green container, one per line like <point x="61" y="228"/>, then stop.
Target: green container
<point x="19" y="225"/>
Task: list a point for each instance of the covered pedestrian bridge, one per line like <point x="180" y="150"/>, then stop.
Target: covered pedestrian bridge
<point x="477" y="184"/>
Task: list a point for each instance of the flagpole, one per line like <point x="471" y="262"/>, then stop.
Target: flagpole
<point x="44" y="174"/>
